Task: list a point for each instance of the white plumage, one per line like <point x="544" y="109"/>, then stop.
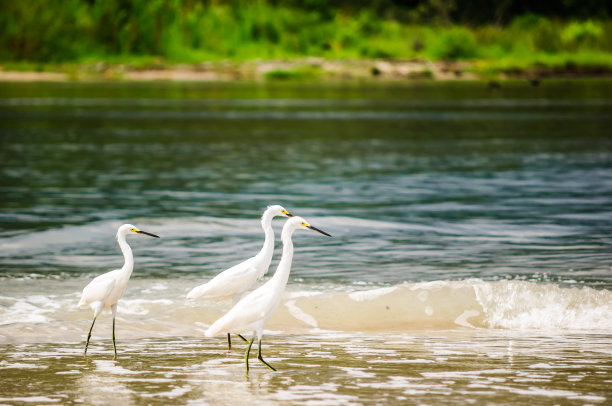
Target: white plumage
<point x="104" y="291"/>
<point x="235" y="281"/>
<point x="252" y="312"/>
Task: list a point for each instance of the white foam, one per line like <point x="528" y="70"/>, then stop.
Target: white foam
<point x="31" y="399"/>
<point x="535" y="391"/>
<point x="541" y="365"/>
<point x="429" y="285"/>
<point x="23" y="311"/>
<point x="357" y="372"/>
<point x="141" y="307"/>
<point x="174" y="393"/>
<point x="373" y="294"/>
<point x="71" y="372"/>
<point x="402" y="361"/>
<point x="112" y="367"/>
<point x="300" y="314"/>
<point x="20" y="365"/>
<point x="465" y="374"/>
<point x="462" y="320"/>
<point x="524" y="305"/>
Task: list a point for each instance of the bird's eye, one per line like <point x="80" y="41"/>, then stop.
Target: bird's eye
<point x="304" y="224"/>
<point x="133" y="230"/>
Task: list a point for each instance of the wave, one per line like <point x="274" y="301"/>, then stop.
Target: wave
<point x="473" y="303"/>
<point x="158" y="308"/>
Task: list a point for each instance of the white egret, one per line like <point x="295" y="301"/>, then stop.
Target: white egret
<point x="251" y="313"/>
<point x="104" y="291"/>
<point x="235" y="281"/>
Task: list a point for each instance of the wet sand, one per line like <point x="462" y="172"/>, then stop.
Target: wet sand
<point x="424" y="367"/>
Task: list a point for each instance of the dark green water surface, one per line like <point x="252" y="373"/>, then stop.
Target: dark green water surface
<point x="454" y="180"/>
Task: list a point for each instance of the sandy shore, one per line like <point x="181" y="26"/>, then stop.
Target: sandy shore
<point x="15" y="76"/>
<point x="296" y="69"/>
<point x="308" y="68"/>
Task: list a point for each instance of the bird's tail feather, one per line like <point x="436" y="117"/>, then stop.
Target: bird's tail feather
<point x="215" y="328"/>
<point x="198" y="291"/>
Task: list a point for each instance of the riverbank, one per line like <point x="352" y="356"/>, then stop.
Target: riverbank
<point x="303" y="69"/>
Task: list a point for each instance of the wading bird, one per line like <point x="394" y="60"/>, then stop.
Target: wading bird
<point x="233" y="282"/>
<point x="105" y="290"/>
<point x="251" y="313"/>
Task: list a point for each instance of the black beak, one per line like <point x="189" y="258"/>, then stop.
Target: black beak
<point x="145" y="233"/>
<point x="320" y="231"/>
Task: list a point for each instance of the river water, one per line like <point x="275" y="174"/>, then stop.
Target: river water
<point x="470" y="260"/>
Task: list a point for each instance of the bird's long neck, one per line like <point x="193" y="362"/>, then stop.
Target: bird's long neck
<point x="128" y="266"/>
<point x="268" y="247"/>
<point x="281" y="276"/>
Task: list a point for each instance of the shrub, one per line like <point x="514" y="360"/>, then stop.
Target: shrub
<point x="546" y="38"/>
<point x="456" y="43"/>
<point x="526" y="21"/>
<point x="581" y="33"/>
<point x="299" y="73"/>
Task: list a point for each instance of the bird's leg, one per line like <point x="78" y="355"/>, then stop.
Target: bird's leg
<point x="229" y="340"/>
<point x="246" y="354"/>
<point x="89" y="336"/>
<point x="114" y="346"/>
<point x="114" y="310"/>
<point x="259" y="357"/>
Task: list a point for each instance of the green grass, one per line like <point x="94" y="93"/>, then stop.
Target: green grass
<point x="578" y="63"/>
<point x="300" y="73"/>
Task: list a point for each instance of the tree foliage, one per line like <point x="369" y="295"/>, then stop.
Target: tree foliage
<point x="195" y="30"/>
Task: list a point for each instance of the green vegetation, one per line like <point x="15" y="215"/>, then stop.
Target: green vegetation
<point x="299" y="73"/>
<point x="145" y="33"/>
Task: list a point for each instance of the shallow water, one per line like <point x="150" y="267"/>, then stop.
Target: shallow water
<point x="432" y="367"/>
<point x="470" y="261"/>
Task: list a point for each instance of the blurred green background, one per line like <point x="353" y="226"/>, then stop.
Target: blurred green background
<point x="502" y="35"/>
